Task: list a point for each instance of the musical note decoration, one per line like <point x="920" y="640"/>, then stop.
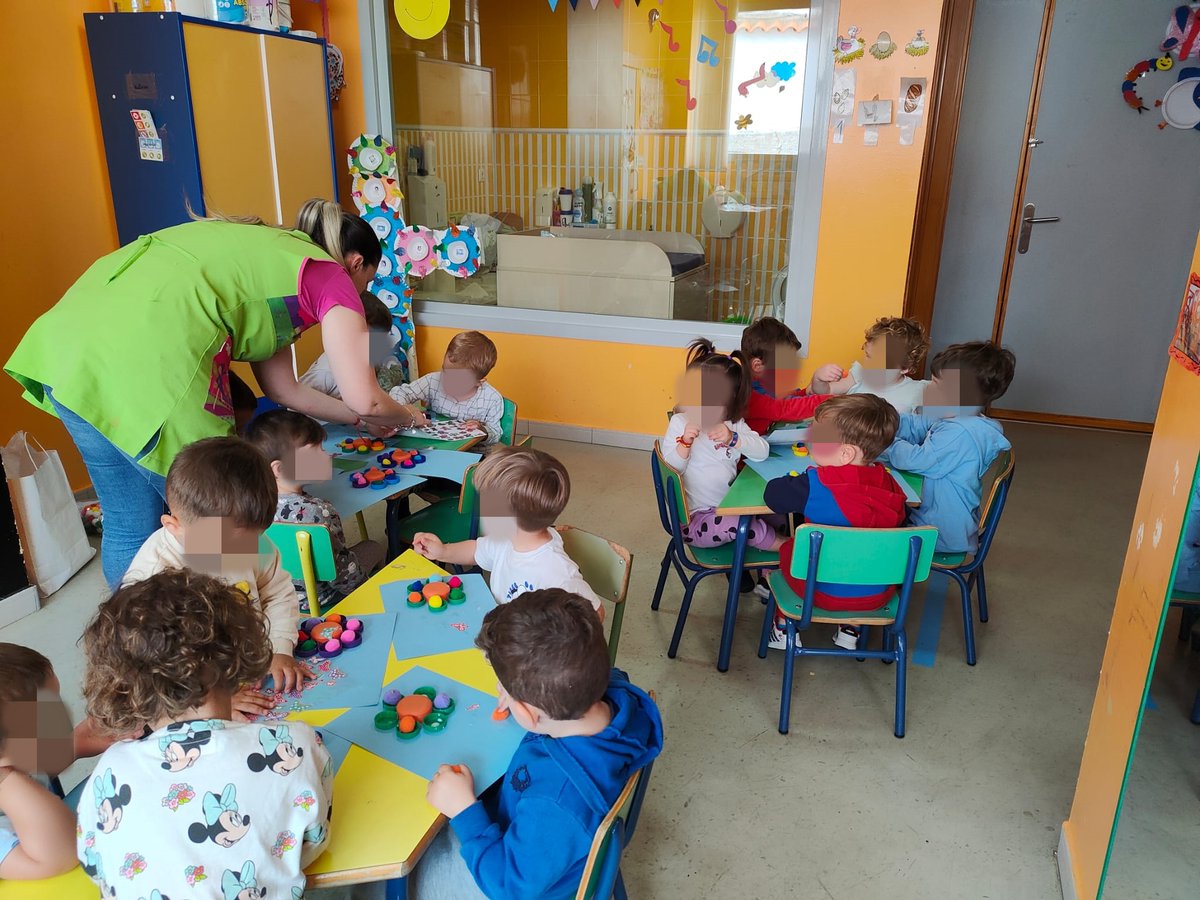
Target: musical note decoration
<point x="686" y="83"/>
<point x="730" y="24"/>
<point x="707" y="52"/>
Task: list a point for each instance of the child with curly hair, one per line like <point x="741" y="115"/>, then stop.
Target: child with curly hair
<point x="247" y="805"/>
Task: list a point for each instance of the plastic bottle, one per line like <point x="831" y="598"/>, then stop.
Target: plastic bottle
<point x="610" y="210"/>
<point x="589" y="198"/>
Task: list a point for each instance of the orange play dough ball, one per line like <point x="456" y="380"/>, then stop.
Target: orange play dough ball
<point x="408" y="724"/>
<point x="436" y="589"/>
<point x="416" y="706"/>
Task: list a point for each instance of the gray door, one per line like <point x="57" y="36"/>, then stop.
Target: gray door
<point x="1093" y="301"/>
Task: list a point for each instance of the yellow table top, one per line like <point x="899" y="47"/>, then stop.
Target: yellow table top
<point x="381" y="822"/>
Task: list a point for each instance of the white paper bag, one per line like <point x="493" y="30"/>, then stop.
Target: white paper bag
<point x="52" y="535"/>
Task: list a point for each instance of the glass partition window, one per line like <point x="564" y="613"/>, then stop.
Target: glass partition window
<point x="633" y="161"/>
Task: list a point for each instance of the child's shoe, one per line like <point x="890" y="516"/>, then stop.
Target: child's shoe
<point x="778" y="639"/>
<point x="846" y="637"/>
<point x="761" y="588"/>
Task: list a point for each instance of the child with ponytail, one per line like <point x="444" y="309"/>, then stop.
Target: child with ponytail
<point x="706" y="438"/>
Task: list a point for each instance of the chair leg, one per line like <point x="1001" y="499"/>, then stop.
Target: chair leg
<point x="981" y="591"/>
<point x="1195" y="716"/>
<point x="662" y="578"/>
<point x="683" y="612"/>
<point x="619" y="888"/>
<point x="789" y="659"/>
<point x="397" y="888"/>
<point x="768" y="620"/>
<point x="901" y="679"/>
<point x="968" y="616"/>
<point x="861" y="644"/>
<point x="889" y="643"/>
<point x="1187" y="620"/>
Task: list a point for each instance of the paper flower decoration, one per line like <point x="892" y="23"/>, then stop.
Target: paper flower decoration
<point x="415" y="251"/>
<point x="459" y="253"/>
<point x="375" y="191"/>
<point x="371" y="155"/>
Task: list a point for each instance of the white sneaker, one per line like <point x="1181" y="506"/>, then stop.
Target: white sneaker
<point x="761" y="588"/>
<point x="778" y="639"/>
<point x="846" y="637"/>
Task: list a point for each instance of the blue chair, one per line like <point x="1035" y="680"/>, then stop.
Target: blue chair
<point x="966" y="570"/>
<point x="700" y="561"/>
<point x="602" y="873"/>
<point x="849" y="556"/>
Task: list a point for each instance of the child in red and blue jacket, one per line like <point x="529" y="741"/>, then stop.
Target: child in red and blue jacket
<point x="845" y="486"/>
<point x="773" y="348"/>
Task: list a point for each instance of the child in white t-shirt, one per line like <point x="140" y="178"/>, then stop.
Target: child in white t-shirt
<point x="894" y="351"/>
<point x="521" y="493"/>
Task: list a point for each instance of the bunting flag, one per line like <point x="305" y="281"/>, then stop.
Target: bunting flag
<point x="574" y="4"/>
<point x="553" y="5"/>
<point x="595" y="3"/>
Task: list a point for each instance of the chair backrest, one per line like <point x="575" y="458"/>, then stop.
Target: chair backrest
<point x="286" y="538"/>
<point x="660" y="495"/>
<point x="995" y="484"/>
<point x="612" y="836"/>
<point x="508" y="422"/>
<point x="862" y="556"/>
<point x="604" y="565"/>
<point x="672" y="484"/>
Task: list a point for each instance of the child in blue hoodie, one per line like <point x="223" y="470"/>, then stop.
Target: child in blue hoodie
<point x="589" y="730"/>
<point x="950" y="442"/>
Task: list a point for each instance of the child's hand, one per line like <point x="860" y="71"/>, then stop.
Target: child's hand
<point x="475" y="424"/>
<point x="829" y="373"/>
<point x="428" y="545"/>
<point x="288" y="674"/>
<point x="684" y="446"/>
<point x="248" y="704"/>
<point x="452" y="790"/>
<point x="419" y="419"/>
<point x="721" y="434"/>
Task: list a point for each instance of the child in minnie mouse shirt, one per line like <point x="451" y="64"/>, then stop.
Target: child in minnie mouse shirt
<point x="201" y="806"/>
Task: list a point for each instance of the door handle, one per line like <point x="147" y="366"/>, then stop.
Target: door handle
<point x="1028" y="220"/>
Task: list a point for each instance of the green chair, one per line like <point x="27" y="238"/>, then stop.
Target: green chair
<point x="849" y="556"/>
<point x="453" y="519"/>
<point x="700" y="561"/>
<point x="605" y="566"/>
<point x="967" y="571"/>
<point x="508" y="423"/>
<point x="435" y="491"/>
<point x="601" y="878"/>
<point x="306" y="552"/>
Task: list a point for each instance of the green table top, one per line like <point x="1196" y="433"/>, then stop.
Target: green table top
<point x="745" y="495"/>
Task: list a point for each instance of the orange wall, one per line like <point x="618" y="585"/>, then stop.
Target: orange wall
<point x="1136" y="624"/>
<point x="51" y="84"/>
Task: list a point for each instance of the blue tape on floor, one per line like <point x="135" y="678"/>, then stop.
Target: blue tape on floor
<point x="924" y="650"/>
<point x="1150" y="704"/>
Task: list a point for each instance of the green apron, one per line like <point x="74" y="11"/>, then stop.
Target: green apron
<point x="140" y="345"/>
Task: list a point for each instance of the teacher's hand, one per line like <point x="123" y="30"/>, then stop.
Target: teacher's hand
<point x="381" y="431"/>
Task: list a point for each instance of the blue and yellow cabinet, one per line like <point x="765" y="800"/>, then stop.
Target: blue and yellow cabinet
<point x="242" y="116"/>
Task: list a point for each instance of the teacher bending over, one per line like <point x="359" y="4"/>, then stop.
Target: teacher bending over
<point x="135" y="357"/>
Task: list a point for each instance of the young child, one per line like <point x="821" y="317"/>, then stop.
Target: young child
<point x="844" y="486"/>
<point x="950" y="442"/>
<point x="387" y="368"/>
<point x="589" y="731"/>
<point x="247" y="805"/>
<point x="773" y="349"/>
<point x="459" y="391"/>
<point x="222" y="496"/>
<point x="292" y="443"/>
<point x="522" y="492"/>
<point x="36" y="828"/>
<point x="706" y="438"/>
<point x="895" y="351"/>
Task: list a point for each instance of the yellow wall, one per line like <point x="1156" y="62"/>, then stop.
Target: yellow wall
<point x="1136" y="624"/>
<point x="51" y="84"/>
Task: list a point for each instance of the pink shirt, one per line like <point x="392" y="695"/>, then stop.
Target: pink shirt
<point x="323" y="285"/>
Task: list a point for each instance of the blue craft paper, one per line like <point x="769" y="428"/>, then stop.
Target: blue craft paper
<point x="777" y="465"/>
<point x="472" y="736"/>
<point x="448" y="464"/>
<point x="337" y="746"/>
<point x="364" y="666"/>
<point x="349" y="500"/>
<point x="420" y="632"/>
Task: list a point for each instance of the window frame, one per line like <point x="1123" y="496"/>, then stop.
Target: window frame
<point x="806" y="206"/>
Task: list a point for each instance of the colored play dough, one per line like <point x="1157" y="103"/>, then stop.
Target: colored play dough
<point x="454" y="582"/>
<point x="407" y="725"/>
<point x="436" y="589"/>
<point x="416" y="705"/>
<point x="500" y="714"/>
<point x="392" y="697"/>
<point x="326" y="631"/>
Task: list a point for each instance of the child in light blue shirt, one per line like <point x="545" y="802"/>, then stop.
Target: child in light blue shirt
<point x="951" y="443"/>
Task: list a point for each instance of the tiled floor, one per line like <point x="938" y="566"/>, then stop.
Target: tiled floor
<point x="968" y="805"/>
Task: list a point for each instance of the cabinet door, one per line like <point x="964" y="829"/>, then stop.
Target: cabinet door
<point x="229" y="108"/>
<point x="299" y="106"/>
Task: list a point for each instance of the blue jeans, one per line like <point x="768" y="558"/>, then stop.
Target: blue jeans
<point x="132" y="498"/>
